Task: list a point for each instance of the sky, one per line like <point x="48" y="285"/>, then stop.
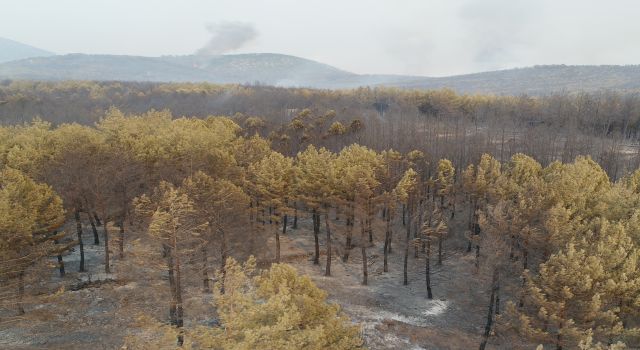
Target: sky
<point x="417" y="37"/>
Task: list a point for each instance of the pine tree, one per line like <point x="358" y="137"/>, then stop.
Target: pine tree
<point x="30" y="215"/>
<point x="407" y="191"/>
<point x="277" y="309"/>
<point x="220" y="204"/>
<point x="174" y="223"/>
<point x="314" y="187"/>
<point x="273" y="178"/>
<point x="587" y="288"/>
<point x="356" y="168"/>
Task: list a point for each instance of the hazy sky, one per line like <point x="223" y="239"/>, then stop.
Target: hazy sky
<point x="426" y="37"/>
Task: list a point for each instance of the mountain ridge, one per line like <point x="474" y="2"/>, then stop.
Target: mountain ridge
<point x="292" y="71"/>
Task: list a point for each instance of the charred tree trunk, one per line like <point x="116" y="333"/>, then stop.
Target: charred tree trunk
<point x="363" y="245"/>
<point x="428" y="268"/>
<point x="350" y="224"/>
<point x="404" y="215"/>
<point x="223" y="257"/>
<point x="327" y="271"/>
<point x="172" y="284"/>
<point x="316" y="232"/>
<point x="416" y="249"/>
<point x="472" y="222"/>
<point x="387" y="241"/>
<point x="277" y="230"/>
<point x="97" y="218"/>
<point x="370" y="220"/>
<point x="489" y="324"/>
<point x="79" y="232"/>
<point x="60" y="262"/>
<point x="295" y="216"/>
<point x="406" y="253"/>
<point x="390" y="250"/>
<point x="96" y="238"/>
<point x="179" y="309"/>
<point x="285" y="221"/>
<point x="107" y="269"/>
<point x="121" y="239"/>
<point x="440" y="243"/>
<point x="206" y="288"/>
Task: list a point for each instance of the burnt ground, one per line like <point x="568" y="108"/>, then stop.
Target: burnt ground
<point x="100" y="314"/>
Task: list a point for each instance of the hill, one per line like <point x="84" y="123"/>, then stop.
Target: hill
<point x="100" y="67"/>
<point x="291" y="71"/>
<point x="268" y="69"/>
<point x="536" y="80"/>
<point x="12" y="50"/>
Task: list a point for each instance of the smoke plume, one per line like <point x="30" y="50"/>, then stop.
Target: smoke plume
<point x="227" y="36"/>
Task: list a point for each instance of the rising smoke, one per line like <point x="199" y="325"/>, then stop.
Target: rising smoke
<point x="227" y="36"/>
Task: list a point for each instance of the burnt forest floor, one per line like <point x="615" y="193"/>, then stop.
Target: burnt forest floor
<point x="97" y="310"/>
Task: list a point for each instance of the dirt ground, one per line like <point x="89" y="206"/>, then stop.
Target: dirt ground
<point x="393" y="316"/>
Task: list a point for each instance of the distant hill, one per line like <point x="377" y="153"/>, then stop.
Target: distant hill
<point x="291" y="71"/>
<point x="100" y="67"/>
<point x="12" y="50"/>
<point x="536" y="80"/>
<point x="266" y="68"/>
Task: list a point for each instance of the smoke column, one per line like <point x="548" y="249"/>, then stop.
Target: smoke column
<point x="227" y="36"/>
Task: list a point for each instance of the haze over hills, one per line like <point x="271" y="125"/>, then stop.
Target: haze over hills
<point x="23" y="62"/>
<point x="12" y="50"/>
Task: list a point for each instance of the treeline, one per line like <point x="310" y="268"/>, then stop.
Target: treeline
<point x="564" y="234"/>
<point x="603" y="125"/>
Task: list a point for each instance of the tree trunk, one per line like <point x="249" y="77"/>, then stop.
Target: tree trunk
<point x="498" y="297"/>
<point x="387" y="239"/>
<point x="472" y="223"/>
<point x="350" y="224"/>
<point x="223" y="257"/>
<point x="95" y="216"/>
<point x="327" y="271"/>
<point x="316" y="232"/>
<point x="487" y="328"/>
<point x="440" y="243"/>
<point x="363" y="246"/>
<point x="428" y="268"/>
<point x="96" y="238"/>
<point x="107" y="269"/>
<point x="295" y="216"/>
<point x="277" y="243"/>
<point x="121" y="239"/>
<point x="251" y="213"/>
<point x="390" y="250"/>
<point x="417" y="227"/>
<point x="172" y="285"/>
<point x="79" y="232"/>
<point x="179" y="309"/>
<point x="60" y="262"/>
<point x="370" y="220"/>
<point x="205" y="270"/>
<point x="406" y="253"/>
<point x="20" y="304"/>
<point x="404" y="214"/>
<point x="284" y="225"/>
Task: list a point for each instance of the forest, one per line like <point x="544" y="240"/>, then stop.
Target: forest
<point x="604" y="125"/>
<point x="232" y="217"/>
